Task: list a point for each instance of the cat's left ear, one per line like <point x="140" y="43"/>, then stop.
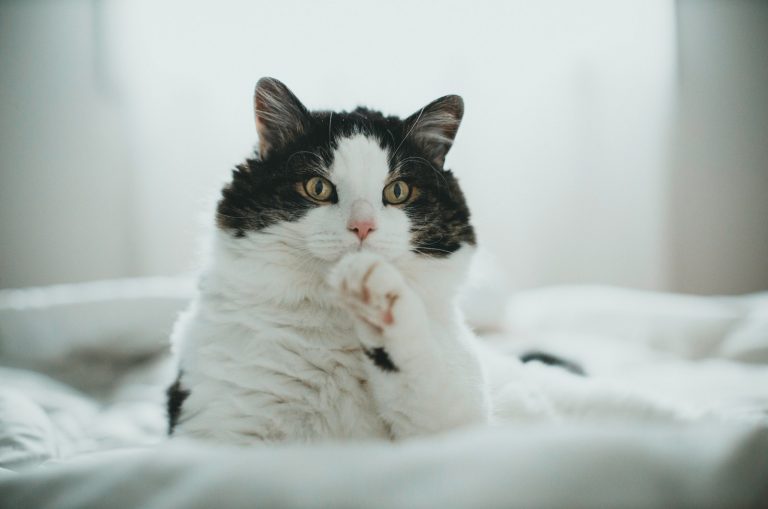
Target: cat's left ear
<point x="280" y="116"/>
<point x="434" y="127"/>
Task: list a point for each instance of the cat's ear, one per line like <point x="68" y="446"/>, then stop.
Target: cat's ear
<point x="280" y="116"/>
<point x="434" y="127"/>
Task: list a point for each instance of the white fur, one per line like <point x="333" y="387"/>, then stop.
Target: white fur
<point x="271" y="348"/>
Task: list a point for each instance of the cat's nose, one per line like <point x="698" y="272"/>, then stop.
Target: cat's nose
<point x="361" y="219"/>
<point x="361" y="228"/>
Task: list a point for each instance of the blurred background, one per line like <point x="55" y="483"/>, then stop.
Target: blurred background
<point x="621" y="142"/>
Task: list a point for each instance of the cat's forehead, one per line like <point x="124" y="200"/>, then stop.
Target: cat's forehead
<point x="358" y="161"/>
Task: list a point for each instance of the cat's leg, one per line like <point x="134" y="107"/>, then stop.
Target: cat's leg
<point x="425" y="376"/>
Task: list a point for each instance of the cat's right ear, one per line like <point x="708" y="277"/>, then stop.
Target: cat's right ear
<point x="280" y="116"/>
<point x="434" y="127"/>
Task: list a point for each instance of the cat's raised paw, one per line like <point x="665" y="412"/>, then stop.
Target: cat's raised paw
<point x="370" y="287"/>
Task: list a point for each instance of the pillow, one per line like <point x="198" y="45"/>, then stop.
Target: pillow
<point x="688" y="326"/>
<point x="127" y="317"/>
<point x="90" y="334"/>
<point x="748" y="341"/>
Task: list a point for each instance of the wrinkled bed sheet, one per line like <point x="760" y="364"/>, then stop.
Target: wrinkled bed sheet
<point x="82" y="422"/>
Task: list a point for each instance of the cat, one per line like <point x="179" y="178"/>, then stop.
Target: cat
<point x="328" y="307"/>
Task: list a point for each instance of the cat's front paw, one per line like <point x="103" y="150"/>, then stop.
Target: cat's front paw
<point x="370" y="287"/>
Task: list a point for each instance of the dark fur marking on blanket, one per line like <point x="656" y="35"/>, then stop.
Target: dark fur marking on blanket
<point x="381" y="358"/>
<point x="551" y="360"/>
<point x="176" y="396"/>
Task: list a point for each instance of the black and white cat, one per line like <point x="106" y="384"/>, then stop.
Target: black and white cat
<point x="328" y="308"/>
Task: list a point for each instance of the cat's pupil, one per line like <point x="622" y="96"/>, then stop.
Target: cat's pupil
<point x="397" y="191"/>
<point x="319" y="187"/>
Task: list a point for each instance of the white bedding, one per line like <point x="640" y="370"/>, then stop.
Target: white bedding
<point x="81" y="417"/>
<point x="700" y="467"/>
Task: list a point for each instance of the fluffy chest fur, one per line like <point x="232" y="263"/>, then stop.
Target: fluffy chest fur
<point x="276" y="383"/>
<point x="271" y="356"/>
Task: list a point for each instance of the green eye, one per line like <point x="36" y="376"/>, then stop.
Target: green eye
<point x="397" y="192"/>
<point x="318" y="188"/>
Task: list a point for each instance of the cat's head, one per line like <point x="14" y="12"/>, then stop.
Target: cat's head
<point x="325" y="183"/>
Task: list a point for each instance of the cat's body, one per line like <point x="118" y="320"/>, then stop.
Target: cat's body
<point x="327" y="309"/>
<point x="263" y="363"/>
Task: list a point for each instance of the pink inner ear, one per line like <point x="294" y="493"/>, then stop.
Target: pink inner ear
<point x="261" y="131"/>
<point x="262" y="128"/>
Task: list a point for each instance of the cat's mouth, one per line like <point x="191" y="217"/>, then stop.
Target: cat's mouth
<point x="336" y="253"/>
<point x="360" y="247"/>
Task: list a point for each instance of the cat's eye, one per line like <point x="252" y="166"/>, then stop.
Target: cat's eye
<point x="318" y="188"/>
<point x="397" y="192"/>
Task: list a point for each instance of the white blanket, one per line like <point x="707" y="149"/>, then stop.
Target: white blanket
<point x="85" y="367"/>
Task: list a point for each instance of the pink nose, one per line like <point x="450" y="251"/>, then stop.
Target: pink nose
<point x="361" y="228"/>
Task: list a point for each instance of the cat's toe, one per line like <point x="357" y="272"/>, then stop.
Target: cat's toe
<point x="369" y="285"/>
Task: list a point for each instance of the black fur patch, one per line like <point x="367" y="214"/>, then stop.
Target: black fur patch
<point x="381" y="359"/>
<point x="264" y="190"/>
<point x="176" y="395"/>
<point x="552" y="360"/>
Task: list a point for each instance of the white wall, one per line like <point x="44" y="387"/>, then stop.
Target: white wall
<point x="563" y="152"/>
<point x="64" y="174"/>
<point x="718" y="186"/>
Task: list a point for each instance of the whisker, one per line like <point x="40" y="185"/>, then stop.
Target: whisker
<point x="421" y="247"/>
<point x="438" y="173"/>
<point x="421" y="111"/>
<point x="321" y="167"/>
